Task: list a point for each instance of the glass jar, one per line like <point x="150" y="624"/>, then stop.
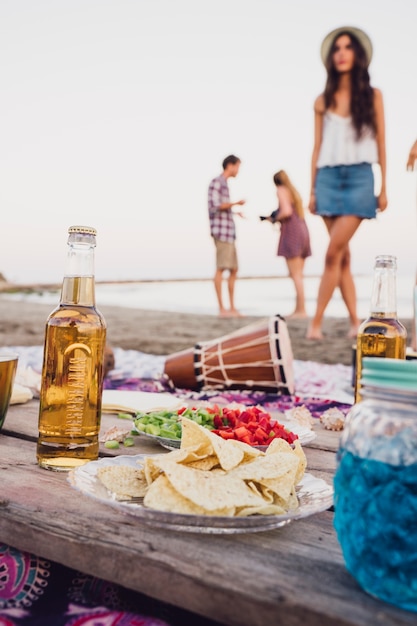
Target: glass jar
<point x="376" y="483"/>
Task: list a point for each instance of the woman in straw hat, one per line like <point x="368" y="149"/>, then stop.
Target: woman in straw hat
<point x="349" y="137"/>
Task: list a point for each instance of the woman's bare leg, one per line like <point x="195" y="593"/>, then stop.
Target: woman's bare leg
<point x="296" y="271"/>
<point x="347" y="286"/>
<point x="348" y="291"/>
<point x="341" y="230"/>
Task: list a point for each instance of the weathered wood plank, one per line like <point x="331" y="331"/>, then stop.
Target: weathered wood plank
<point x="292" y="576"/>
<point x="22" y="421"/>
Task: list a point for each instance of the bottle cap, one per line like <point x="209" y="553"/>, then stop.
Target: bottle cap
<point x="389" y="373"/>
<point x="83" y="230"/>
<point x="386" y="260"/>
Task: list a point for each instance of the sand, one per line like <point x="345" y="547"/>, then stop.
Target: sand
<point x="159" y="332"/>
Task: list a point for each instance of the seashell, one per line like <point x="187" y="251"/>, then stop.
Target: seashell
<point x="115" y="434"/>
<point x="333" y="419"/>
<point x="301" y="415"/>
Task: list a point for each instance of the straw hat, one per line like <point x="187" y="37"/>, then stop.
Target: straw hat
<point x="357" y="32"/>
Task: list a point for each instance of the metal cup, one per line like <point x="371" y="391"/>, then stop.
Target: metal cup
<point x="8" y="366"/>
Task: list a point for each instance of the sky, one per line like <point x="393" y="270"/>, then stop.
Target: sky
<point x="117" y="114"/>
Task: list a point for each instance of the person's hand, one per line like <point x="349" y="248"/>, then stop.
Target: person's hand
<point x="312" y="203"/>
<point x="412" y="157"/>
<point x="239" y="213"/>
<point x="240" y="202"/>
<point x="382" y="201"/>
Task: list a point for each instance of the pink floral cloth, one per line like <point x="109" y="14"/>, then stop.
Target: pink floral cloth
<point x="39" y="592"/>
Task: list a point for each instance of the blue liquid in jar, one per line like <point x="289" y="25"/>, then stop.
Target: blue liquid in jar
<point x="376" y="525"/>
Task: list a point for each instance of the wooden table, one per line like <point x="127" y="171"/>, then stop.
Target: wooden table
<point x="290" y="576"/>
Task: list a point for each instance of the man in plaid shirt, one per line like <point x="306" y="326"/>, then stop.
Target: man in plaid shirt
<point x="222" y="229"/>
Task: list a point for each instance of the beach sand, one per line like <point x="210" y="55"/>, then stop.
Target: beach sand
<point x="159" y="332"/>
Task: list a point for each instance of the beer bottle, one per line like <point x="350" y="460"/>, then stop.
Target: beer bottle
<point x="381" y="334"/>
<point x="72" y="371"/>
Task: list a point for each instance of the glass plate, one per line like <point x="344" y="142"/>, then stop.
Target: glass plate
<point x="305" y="436"/>
<point x="314" y="496"/>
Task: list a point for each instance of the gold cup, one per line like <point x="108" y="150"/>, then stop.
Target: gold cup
<point x="8" y="366"/>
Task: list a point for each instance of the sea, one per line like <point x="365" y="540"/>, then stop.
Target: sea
<point x="262" y="296"/>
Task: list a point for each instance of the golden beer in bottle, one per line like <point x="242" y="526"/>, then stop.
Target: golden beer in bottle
<point x="381" y="334"/>
<point x="72" y="371"/>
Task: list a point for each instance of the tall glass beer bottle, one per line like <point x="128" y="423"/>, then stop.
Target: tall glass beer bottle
<point x="381" y="334"/>
<point x="72" y="372"/>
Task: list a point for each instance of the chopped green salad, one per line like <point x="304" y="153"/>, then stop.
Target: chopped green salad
<point x="167" y="423"/>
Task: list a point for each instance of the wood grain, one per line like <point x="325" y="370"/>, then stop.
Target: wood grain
<point x="293" y="575"/>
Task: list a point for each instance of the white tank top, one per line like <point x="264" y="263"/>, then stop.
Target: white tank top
<point x="340" y="146"/>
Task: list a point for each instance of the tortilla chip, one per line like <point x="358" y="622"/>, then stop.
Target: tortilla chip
<point x="267" y="509"/>
<point x="162" y="496"/>
<point x="154" y="465"/>
<point x="303" y="461"/>
<point x="211" y="490"/>
<point x="123" y="481"/>
<point x="227" y="452"/>
<point x="249" y="452"/>
<point x="267" y="466"/>
<point x="292" y="503"/>
<point x="194" y="436"/>
<point x="278" y="445"/>
<point x="209" y="463"/>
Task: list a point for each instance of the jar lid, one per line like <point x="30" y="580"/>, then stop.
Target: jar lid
<point x="83" y="230"/>
<point x="386" y="260"/>
<point x="389" y="373"/>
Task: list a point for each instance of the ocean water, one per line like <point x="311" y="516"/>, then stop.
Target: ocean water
<point x="253" y="296"/>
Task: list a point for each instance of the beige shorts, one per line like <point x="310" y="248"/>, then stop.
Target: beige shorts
<point x="226" y="256"/>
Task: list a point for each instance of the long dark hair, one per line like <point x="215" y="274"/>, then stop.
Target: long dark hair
<point x="362" y="94"/>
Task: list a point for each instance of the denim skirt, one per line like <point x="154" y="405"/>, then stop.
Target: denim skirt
<point x="346" y="190"/>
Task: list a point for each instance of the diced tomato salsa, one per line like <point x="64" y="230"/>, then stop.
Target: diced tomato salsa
<point x="251" y="425"/>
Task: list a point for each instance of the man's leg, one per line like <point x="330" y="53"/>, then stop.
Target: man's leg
<point x="231" y="288"/>
<point x="218" y="280"/>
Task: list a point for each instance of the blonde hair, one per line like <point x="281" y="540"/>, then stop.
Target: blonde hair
<point x="282" y="178"/>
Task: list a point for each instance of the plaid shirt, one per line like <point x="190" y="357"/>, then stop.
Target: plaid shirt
<point x="222" y="225"/>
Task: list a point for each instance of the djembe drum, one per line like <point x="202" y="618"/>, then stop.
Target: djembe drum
<point x="258" y="356"/>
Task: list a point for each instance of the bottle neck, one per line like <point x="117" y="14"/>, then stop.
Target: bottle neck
<point x="384" y="293"/>
<point x="78" y="286"/>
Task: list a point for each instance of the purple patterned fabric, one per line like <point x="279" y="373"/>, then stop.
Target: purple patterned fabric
<point x="270" y="401"/>
<point x="294" y="240"/>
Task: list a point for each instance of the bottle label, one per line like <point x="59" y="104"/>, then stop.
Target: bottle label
<point x="77" y="380"/>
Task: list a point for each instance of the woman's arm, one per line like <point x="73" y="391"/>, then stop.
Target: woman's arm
<point x="412" y="157"/>
<point x="319" y="109"/>
<point x="380" y="142"/>
<point x="285" y="209"/>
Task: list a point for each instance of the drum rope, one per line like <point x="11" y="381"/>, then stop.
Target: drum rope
<point x="273" y="340"/>
<point x="201" y="353"/>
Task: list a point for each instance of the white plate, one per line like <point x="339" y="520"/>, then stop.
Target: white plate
<point x="305" y="436"/>
<point x="314" y="496"/>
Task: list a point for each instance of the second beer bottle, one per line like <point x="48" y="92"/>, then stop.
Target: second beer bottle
<point x="72" y="372"/>
<point x="381" y="334"/>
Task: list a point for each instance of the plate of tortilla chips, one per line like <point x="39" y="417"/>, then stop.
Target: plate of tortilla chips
<point x="209" y="485"/>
